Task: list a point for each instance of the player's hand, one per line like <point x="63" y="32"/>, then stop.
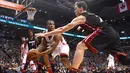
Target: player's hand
<point x="39" y="54"/>
<point x="42" y="53"/>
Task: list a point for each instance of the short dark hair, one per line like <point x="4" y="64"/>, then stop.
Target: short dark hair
<point x="81" y="4"/>
<point x="49" y="22"/>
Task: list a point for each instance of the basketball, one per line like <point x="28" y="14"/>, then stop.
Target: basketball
<point x="33" y="54"/>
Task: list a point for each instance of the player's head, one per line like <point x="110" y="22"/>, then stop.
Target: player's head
<point x="23" y="39"/>
<point x="110" y="55"/>
<point x="80" y="7"/>
<point x="50" y="25"/>
<point x="30" y="32"/>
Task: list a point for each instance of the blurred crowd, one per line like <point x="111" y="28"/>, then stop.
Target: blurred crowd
<point x="10" y="59"/>
<point x="98" y="64"/>
<point x="10" y="50"/>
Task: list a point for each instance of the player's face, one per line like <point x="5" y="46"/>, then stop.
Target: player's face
<point x="77" y="11"/>
<point x="51" y="26"/>
<point x="30" y="33"/>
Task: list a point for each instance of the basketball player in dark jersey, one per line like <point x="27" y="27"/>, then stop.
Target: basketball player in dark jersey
<point x="31" y="43"/>
<point x="102" y="36"/>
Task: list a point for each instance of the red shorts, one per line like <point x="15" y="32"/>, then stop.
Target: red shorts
<point x="90" y="37"/>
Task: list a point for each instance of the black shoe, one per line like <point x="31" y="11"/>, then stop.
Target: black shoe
<point x="125" y="60"/>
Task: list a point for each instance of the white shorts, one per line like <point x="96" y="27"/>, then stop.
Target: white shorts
<point x="111" y="64"/>
<point x="63" y="49"/>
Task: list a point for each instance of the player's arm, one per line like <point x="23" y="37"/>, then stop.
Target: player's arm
<point x="53" y="45"/>
<point x="76" y="21"/>
<point x="42" y="46"/>
<point x="108" y="58"/>
<point x="22" y="50"/>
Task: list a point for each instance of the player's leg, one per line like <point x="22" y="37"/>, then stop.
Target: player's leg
<point x="65" y="60"/>
<point x="113" y="67"/>
<point x="54" y="60"/>
<point x="115" y="49"/>
<point x="26" y="65"/>
<point x="33" y="66"/>
<point x="23" y="63"/>
<point x="108" y="67"/>
<point x="88" y="42"/>
<point x="39" y="67"/>
<point x="47" y="63"/>
<point x="40" y="64"/>
<point x="64" y="55"/>
<point x="78" y="57"/>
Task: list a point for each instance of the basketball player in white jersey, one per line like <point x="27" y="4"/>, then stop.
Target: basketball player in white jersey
<point x="62" y="49"/>
<point x="55" y="45"/>
<point x="24" y="51"/>
<point x="110" y="63"/>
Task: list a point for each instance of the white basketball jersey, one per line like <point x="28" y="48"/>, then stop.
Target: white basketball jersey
<point x="110" y="58"/>
<point x="62" y="42"/>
